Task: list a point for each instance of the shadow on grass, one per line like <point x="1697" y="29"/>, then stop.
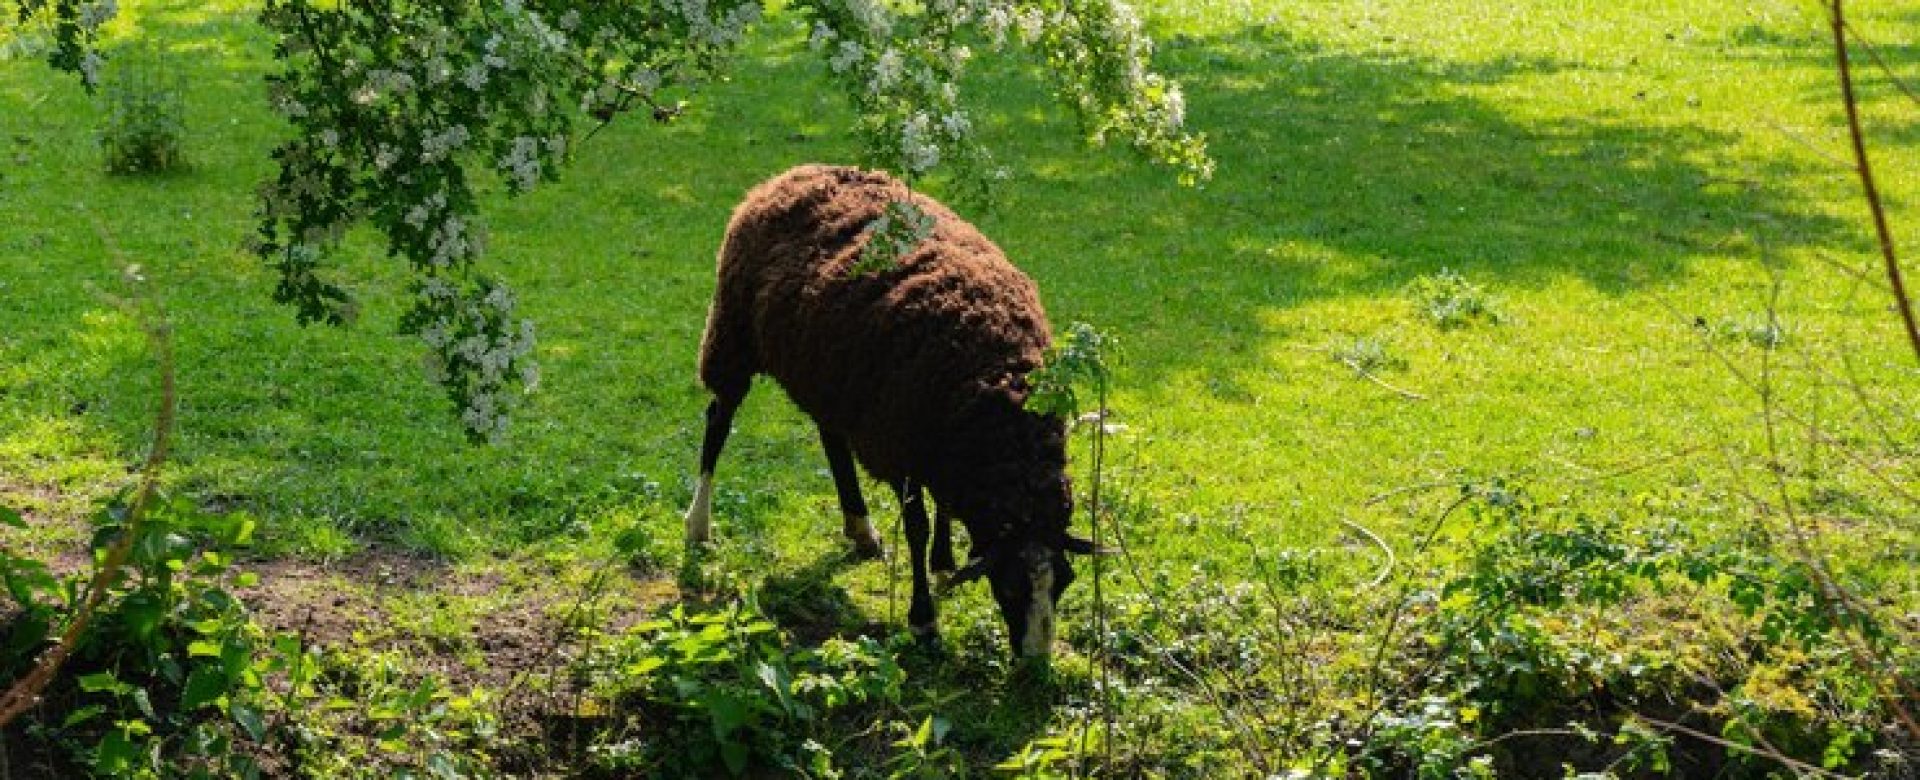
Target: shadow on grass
<point x="1348" y="175"/>
<point x="1340" y="174"/>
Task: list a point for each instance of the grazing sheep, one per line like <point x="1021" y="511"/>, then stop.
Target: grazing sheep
<point x="917" y="371"/>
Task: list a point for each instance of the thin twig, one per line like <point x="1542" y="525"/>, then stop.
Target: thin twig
<point x="1865" y="169"/>
<point x="1386" y="570"/>
<point x="1371" y="377"/>
<point x="1772" y="755"/>
<point x="1873" y="51"/>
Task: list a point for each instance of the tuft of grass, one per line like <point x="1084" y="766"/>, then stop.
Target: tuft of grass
<point x="1369" y="355"/>
<point x="1449" y="301"/>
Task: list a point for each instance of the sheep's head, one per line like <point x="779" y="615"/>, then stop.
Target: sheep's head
<point x="1027" y="569"/>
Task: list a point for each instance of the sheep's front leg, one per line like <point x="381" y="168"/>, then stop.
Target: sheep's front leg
<point x="853" y="508"/>
<point x="719" y="424"/>
<point x="920" y="614"/>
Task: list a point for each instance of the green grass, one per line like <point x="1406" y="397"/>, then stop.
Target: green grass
<point x="1609" y="171"/>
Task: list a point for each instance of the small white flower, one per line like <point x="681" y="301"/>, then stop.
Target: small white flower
<point x="90" y="68"/>
<point x="886" y="70"/>
<point x="475" y="76"/>
<point x="92" y="15"/>
<point x="848" y="53"/>
<point x="956" y="124"/>
<point x="995" y="23"/>
<point x="385" y="156"/>
<point x="821" y="37"/>
<point x="918" y="150"/>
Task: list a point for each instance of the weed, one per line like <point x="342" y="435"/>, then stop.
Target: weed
<point x="1449" y="301"/>
<point x="1759" y="330"/>
<point x="1368" y="355"/>
<point x="145" y="125"/>
<point x="727" y="691"/>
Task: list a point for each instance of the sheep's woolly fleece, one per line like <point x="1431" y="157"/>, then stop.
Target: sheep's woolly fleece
<point x="920" y="366"/>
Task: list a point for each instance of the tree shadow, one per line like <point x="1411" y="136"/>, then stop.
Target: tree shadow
<point x="1348" y="175"/>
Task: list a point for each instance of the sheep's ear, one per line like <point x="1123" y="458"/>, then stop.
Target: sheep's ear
<point x="1079" y="546"/>
<point x="974" y="569"/>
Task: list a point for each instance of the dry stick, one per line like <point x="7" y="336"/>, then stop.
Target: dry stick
<point x="1099" y="600"/>
<point x="1787" y="761"/>
<point x="1872" y="191"/>
<point x="1386" y="570"/>
<point x="25" y="693"/>
<point x="1833" y="598"/>
<point x="1371" y="377"/>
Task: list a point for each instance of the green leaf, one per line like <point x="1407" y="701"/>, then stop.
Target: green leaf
<point x="735" y="756"/>
<point x="116" y="755"/>
<point x="99" y="682"/>
<point x="204" y="686"/>
<point x="82" y="715"/>
<point x="250" y="720"/>
<point x="8" y="517"/>
<point x="142" y="611"/>
<point x="203" y="649"/>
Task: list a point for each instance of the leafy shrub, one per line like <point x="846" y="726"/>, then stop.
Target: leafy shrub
<point x="1449" y="301"/>
<point x="168" y="677"/>
<point x="1563" y="616"/>
<point x="356" y="713"/>
<point x="145" y="123"/>
<point x="689" y="692"/>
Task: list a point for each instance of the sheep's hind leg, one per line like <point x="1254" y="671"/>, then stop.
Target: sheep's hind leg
<point x="942" y="541"/>
<point x="920" y="613"/>
<point x="719" y="424"/>
<point x="853" y="507"/>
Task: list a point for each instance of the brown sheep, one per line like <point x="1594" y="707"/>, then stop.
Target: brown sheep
<point x="917" y="371"/>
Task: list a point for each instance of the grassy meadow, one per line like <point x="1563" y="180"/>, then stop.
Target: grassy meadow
<point x="1653" y="196"/>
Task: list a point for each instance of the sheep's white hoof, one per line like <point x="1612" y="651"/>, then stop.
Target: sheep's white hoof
<point x="700" y="514"/>
<point x="866" y="540"/>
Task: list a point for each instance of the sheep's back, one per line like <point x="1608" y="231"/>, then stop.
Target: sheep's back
<point x="890" y="359"/>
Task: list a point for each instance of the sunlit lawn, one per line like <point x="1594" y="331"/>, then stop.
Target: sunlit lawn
<point x="1633" y="181"/>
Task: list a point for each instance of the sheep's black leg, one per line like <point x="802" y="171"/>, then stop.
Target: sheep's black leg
<point x="853" y="508"/>
<point x="942" y="541"/>
<point x="920" y="613"/>
<point x="719" y="424"/>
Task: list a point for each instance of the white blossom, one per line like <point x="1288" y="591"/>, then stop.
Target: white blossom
<point x="475" y="76"/>
<point x="90" y="68"/>
<point x="886" y="70"/>
<point x="437" y="146"/>
<point x="522" y="162"/>
<point x="821" y="37"/>
<point x="1032" y="22"/>
<point x="918" y="150"/>
<point x="849" y="53"/>
<point x="995" y="23"/>
<point x="94" y="14"/>
<point x="956" y="124"/>
<point x="385" y="156"/>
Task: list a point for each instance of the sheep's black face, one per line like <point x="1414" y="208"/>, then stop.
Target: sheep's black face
<point x="1027" y="585"/>
<point x="1027" y="580"/>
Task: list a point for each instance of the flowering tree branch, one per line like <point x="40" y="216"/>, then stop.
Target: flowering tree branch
<point x="396" y="106"/>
